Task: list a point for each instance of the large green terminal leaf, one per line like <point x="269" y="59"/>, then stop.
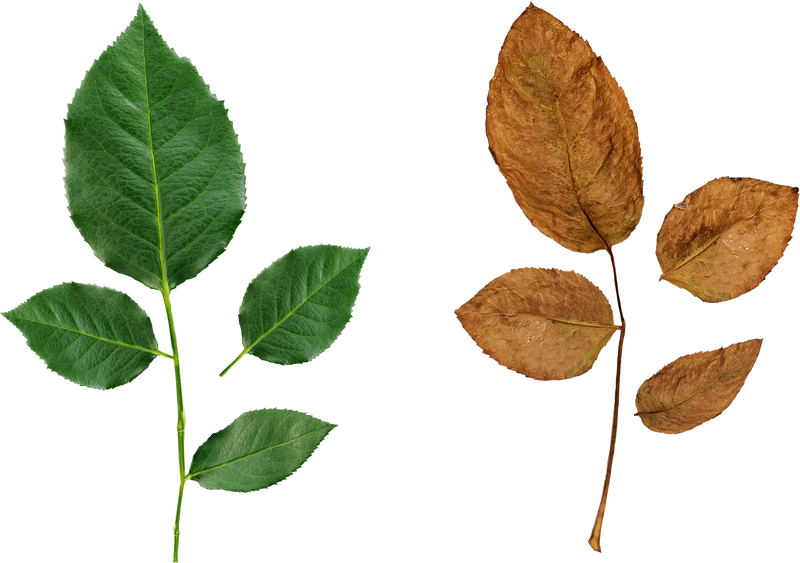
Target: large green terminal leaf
<point x="294" y="309"/>
<point x="257" y="450"/>
<point x="94" y="336"/>
<point x="154" y="172"/>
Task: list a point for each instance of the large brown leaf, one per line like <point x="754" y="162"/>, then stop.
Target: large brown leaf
<point x="561" y="131"/>
<point x="695" y="388"/>
<point x="546" y="324"/>
<point x="724" y="238"/>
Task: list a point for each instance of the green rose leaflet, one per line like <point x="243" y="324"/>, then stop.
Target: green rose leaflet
<point x="93" y="336"/>
<point x="257" y="450"/>
<point x="154" y="173"/>
<point x="294" y="309"/>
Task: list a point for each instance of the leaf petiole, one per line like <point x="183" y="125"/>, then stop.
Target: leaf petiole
<point x="225" y="370"/>
<point x="594" y="539"/>
<point x="164" y="354"/>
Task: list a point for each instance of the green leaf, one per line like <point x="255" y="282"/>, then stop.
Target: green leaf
<point x="257" y="450"/>
<point x="294" y="309"/>
<point x="94" y="336"/>
<point x="154" y="172"/>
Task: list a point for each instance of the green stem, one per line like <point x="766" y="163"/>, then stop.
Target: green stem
<point x="225" y="370"/>
<point x="181" y="425"/>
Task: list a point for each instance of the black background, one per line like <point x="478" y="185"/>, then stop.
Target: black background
<point x="366" y="127"/>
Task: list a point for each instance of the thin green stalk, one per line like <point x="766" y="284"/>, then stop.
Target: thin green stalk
<point x="181" y="425"/>
<point x="225" y="370"/>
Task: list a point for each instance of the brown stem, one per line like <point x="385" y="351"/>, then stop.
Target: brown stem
<point x="594" y="540"/>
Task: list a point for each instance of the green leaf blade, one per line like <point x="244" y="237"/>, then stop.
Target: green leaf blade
<point x="93" y="336"/>
<point x="297" y="307"/>
<point x="154" y="171"/>
<point x="257" y="450"/>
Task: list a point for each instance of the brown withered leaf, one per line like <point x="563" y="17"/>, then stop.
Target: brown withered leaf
<point x="695" y="388"/>
<point x="546" y="324"/>
<point x="724" y="238"/>
<point x="563" y="135"/>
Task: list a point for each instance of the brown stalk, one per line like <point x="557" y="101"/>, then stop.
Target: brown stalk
<point x="594" y="539"/>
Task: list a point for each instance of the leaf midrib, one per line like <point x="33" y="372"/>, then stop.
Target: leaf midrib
<point x="560" y="321"/>
<point x="257" y="452"/>
<point x="693" y="396"/>
<point x="160" y="248"/>
<point x="563" y="126"/>
<point x="713" y="241"/>
<point x="293" y="311"/>
<point x="141" y="348"/>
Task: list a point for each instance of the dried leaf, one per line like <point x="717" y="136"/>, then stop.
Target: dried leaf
<point x="563" y="135"/>
<point x="546" y="324"/>
<point x="695" y="388"/>
<point x="724" y="238"/>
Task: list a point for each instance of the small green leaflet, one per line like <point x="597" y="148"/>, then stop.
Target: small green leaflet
<point x="294" y="309"/>
<point x="154" y="172"/>
<point x="257" y="450"/>
<point x="94" y="336"/>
